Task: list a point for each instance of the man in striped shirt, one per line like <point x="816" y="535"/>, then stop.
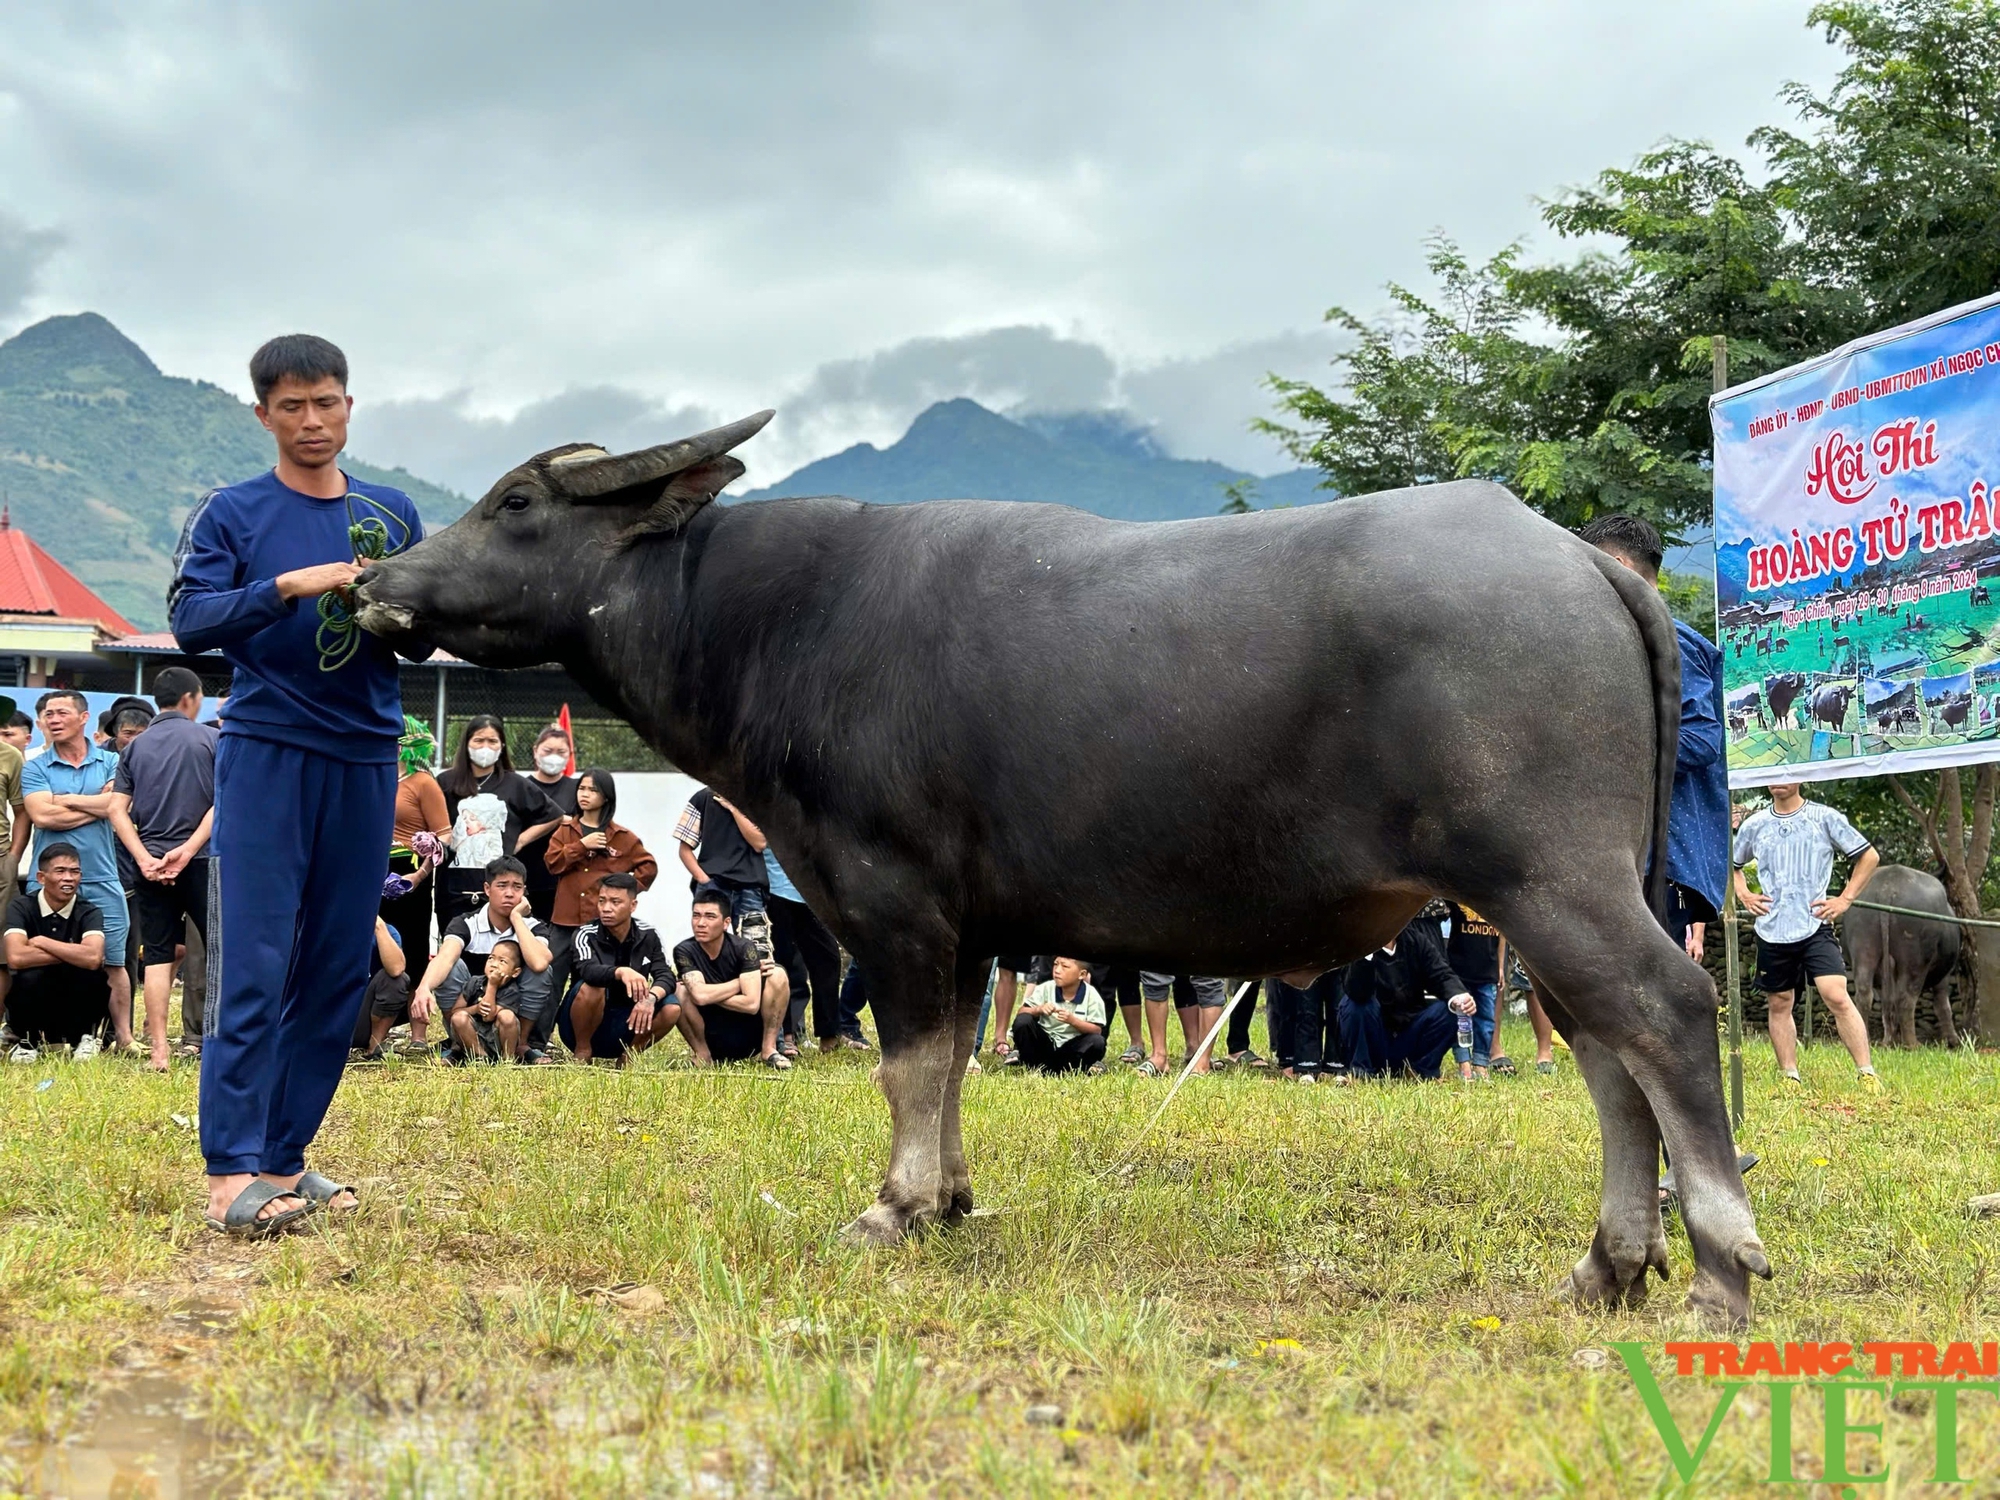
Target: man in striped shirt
<point x="1793" y="843"/>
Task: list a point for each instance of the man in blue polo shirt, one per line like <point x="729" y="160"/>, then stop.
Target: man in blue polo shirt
<point x="305" y="783"/>
<point x="68" y="793"/>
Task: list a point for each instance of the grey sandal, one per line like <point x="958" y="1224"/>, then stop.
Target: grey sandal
<point x="321" y="1190"/>
<point x="240" y="1221"/>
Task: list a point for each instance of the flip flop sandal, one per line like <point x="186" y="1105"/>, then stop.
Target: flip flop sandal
<point x="1501" y="1067"/>
<point x="1129" y="1057"/>
<point x="789" y="1047"/>
<point x="778" y="1061"/>
<point x="321" y="1190"/>
<point x="1248" y="1059"/>
<point x="239" y="1221"/>
<point x="1147" y="1070"/>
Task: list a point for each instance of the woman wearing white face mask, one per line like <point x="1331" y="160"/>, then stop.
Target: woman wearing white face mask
<point x="551" y="777"/>
<point x="493" y="810"/>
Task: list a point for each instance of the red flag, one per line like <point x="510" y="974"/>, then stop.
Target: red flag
<point x="562" y="719"/>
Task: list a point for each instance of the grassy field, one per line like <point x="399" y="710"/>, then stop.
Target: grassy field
<point x="1320" y="1291"/>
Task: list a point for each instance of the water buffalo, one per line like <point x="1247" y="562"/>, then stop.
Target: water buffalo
<point x="1829" y="705"/>
<point x="1953" y="709"/>
<point x="973" y="727"/>
<point x="1782" y="691"/>
<point x="1895" y="959"/>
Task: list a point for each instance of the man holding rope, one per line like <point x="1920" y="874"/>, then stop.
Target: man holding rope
<point x="305" y="784"/>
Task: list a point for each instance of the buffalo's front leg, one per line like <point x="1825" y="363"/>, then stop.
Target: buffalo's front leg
<point x="915" y="1009"/>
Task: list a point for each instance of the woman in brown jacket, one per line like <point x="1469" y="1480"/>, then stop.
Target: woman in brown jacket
<point x="582" y="851"/>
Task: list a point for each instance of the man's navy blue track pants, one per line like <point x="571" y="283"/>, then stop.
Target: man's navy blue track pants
<point x="302" y="845"/>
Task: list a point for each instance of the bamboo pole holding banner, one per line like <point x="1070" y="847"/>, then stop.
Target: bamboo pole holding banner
<point x="1720" y="376"/>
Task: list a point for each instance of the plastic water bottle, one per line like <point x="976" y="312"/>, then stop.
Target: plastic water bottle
<point x="1464" y="1037"/>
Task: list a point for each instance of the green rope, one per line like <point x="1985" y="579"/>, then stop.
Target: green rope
<point x="339" y="637"/>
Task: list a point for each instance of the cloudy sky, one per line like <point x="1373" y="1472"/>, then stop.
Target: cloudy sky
<point x="531" y="223"/>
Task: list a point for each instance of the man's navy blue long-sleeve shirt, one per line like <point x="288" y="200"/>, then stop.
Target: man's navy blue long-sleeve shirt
<point x="305" y="674"/>
<point x="1698" y="822"/>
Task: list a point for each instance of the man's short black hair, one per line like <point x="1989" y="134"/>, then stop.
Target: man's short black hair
<point x="1631" y="537"/>
<point x="506" y="864"/>
<point x="19" y="720"/>
<point x="174" y="684"/>
<point x="82" y="703"/>
<point x="131" y="718"/>
<point x="712" y="896"/>
<point x="49" y="853"/>
<point x="303" y="357"/>
<point x="625" y="880"/>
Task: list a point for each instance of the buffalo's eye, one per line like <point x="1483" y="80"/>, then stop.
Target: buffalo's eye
<point x="515" y="503"/>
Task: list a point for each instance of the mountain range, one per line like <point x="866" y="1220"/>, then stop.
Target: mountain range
<point x="102" y="455"/>
<point x="1098" y="461"/>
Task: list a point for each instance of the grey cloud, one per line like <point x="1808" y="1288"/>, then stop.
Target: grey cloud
<point x="24" y="251"/>
<point x="1203" y="407"/>
<point x="720" y="205"/>
<point x="1193" y="408"/>
<point x="443" y="440"/>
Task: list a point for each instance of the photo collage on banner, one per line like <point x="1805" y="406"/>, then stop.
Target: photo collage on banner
<point x="1857" y="550"/>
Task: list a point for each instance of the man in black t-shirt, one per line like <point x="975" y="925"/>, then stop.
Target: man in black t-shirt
<point x="732" y="1001"/>
<point x="722" y="848"/>
<point x="624" y="996"/>
<point x="1474" y="953"/>
<point x="59" y="993"/>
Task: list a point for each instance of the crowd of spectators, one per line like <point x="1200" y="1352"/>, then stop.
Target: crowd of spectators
<point x="508" y="922"/>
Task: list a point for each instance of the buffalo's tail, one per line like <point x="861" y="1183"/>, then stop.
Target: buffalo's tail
<point x="1663" y="655"/>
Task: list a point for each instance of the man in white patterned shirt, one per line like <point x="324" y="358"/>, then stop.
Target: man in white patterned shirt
<point x="1793" y="843"/>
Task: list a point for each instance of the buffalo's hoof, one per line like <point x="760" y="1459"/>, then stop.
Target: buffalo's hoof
<point x="1608" y="1277"/>
<point x="1720" y="1294"/>
<point x="881" y="1225"/>
<point x="957" y="1204"/>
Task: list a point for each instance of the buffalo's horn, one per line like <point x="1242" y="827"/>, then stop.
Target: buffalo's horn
<point x="587" y="472"/>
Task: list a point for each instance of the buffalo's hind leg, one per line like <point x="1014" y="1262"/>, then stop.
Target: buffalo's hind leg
<point x="916" y="1011"/>
<point x="970" y="985"/>
<point x="1648" y="1012"/>
<point x="1630" y="1239"/>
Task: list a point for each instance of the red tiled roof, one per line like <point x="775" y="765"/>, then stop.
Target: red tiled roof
<point x="33" y="583"/>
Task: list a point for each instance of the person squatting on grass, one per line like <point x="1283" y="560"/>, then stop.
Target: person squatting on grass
<point x="67" y="790"/>
<point x="163" y="808"/>
<point x="733" y="1000"/>
<point x="1793" y="842"/>
<point x="55" y="961"/>
<point x="305" y="782"/>
<point x="1387" y="1022"/>
<point x="1061" y="1027"/>
<point x="623" y="1001"/>
<point x="491" y="1026"/>
<point x="448" y="984"/>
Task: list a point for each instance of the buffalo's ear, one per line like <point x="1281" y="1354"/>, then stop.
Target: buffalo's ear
<point x="683" y="495"/>
<point x="668" y="483"/>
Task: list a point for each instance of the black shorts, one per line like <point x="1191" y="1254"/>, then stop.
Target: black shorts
<point x="164" y="909"/>
<point x="1021" y="964"/>
<point x="1786" y="968"/>
<point x="732" y="1035"/>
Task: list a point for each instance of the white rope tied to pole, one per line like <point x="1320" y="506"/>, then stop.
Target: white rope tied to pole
<point x="1195" y="1055"/>
<point x="1911" y="911"/>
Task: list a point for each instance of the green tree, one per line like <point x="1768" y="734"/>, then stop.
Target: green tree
<point x="1896" y="190"/>
<point x="1583" y="384"/>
